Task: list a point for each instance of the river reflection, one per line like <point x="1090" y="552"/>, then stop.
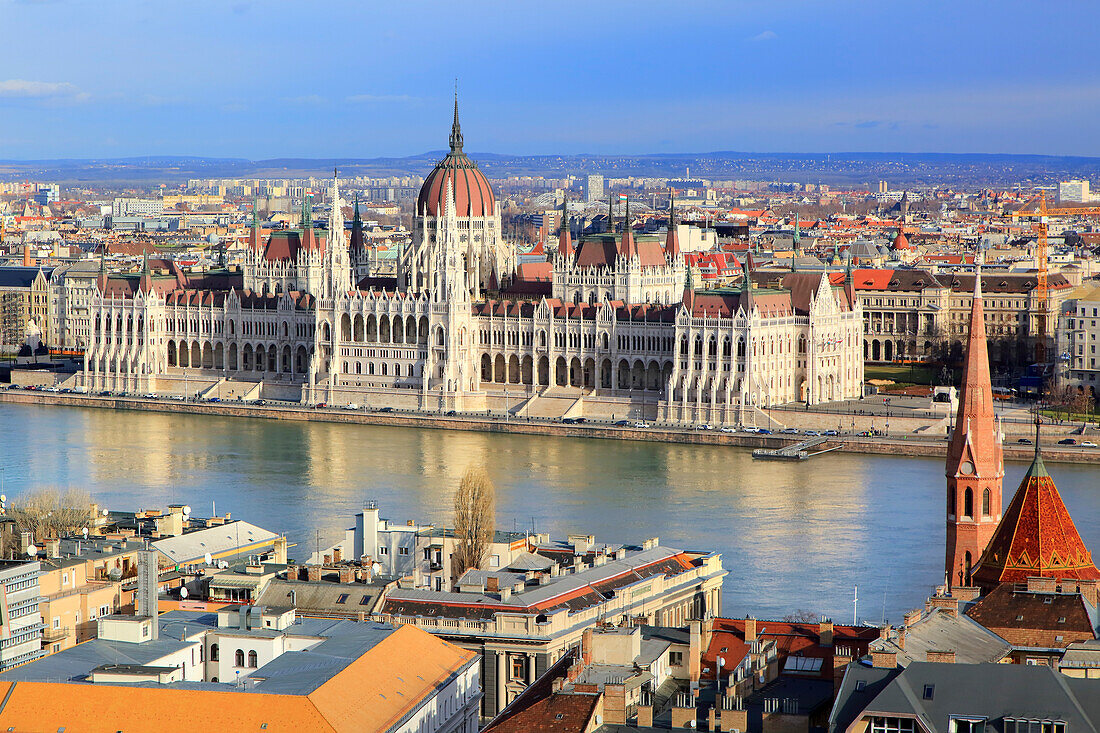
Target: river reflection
<point x="794" y="536"/>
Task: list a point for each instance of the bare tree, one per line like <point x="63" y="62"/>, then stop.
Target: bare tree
<point x="475" y="519"/>
<point x="49" y="513"/>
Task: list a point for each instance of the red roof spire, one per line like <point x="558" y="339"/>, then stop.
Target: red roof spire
<point x="1037" y="537"/>
<point x="672" y="240"/>
<point x="975" y="460"/>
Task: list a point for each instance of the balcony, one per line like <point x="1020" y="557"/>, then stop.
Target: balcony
<point x="51" y="635"/>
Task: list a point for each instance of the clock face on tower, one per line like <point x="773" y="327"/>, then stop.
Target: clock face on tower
<point x="966" y="468"/>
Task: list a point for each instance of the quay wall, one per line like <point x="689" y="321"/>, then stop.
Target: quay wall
<point x="925" y="446"/>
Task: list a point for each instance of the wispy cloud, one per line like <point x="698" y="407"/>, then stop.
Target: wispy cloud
<point x="24" y="89"/>
<point x="380" y="98"/>
<point x="765" y="36"/>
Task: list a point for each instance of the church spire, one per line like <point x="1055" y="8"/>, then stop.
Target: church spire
<point x="456" y="128"/>
<point x="610" y="215"/>
<point x="746" y="287"/>
<point x="356" y="228"/>
<point x="689" y="289"/>
<point x="101" y="280"/>
<point x="975" y="459"/>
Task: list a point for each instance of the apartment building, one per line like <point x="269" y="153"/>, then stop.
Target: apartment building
<point x="1077" y="339"/>
<point x="21" y="641"/>
<point x="73" y="600"/>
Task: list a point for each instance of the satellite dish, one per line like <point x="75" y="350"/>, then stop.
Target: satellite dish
<point x="183" y="592"/>
<point x="104" y="512"/>
<point x="186" y="510"/>
<point x="84" y="531"/>
<point x="3" y="497"/>
<point x="207" y="559"/>
<point x="223" y="564"/>
<point x="721" y="662"/>
<point x="32" y="550"/>
<point x="376" y="566"/>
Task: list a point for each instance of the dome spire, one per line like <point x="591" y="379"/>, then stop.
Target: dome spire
<point x="672" y="238"/>
<point x="456" y="128"/>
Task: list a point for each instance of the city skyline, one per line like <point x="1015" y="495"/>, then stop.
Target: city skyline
<point x="281" y="80"/>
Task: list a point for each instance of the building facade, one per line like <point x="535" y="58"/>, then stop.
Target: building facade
<point x="621" y="331"/>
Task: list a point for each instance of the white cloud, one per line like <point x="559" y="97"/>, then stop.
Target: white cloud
<point x="24" y="89"/>
<point x="765" y="36"/>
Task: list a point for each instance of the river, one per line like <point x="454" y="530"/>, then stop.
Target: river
<point x="794" y="536"/>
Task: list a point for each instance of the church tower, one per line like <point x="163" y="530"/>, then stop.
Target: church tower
<point x="975" y="460"/>
<point x="336" y="272"/>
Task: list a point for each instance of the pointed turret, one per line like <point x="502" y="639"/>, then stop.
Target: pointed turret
<point x="309" y="237"/>
<point x="356" y="228"/>
<point x="672" y="239"/>
<point x="101" y="279"/>
<point x="850" y="283"/>
<point x="689" y="290"/>
<point x="145" y="284"/>
<point x="975" y="460"/>
<point x="627" y="246"/>
<point x="610" y="216"/>
<point x="565" y="241"/>
<point x="746" y="285"/>
<point x="1037" y="537"/>
<point x="456" y="128"/>
<point x="255" y="240"/>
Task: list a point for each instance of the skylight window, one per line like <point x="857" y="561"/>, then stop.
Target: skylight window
<point x="929" y="691"/>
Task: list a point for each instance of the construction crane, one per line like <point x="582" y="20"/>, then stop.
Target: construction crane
<point x="1043" y="214"/>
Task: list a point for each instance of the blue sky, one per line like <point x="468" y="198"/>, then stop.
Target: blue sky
<point x="312" y="78"/>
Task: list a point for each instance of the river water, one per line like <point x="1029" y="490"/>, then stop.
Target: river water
<point x="794" y="536"/>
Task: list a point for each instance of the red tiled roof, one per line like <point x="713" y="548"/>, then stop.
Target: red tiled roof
<point x="1036" y="537"/>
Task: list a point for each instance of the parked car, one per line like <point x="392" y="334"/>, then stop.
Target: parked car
<point x="789" y="431"/>
<point x="728" y="429"/>
<point x="569" y="420"/>
<point x="351" y="406"/>
<point x="386" y="409"/>
<point x="1067" y="441"/>
<point x="1087" y="444"/>
<point x="830" y="433"/>
<point x="321" y="405"/>
<point x="621" y="423"/>
<point x="641" y="425"/>
<point x="450" y="413"/>
<point x="1024" y="441"/>
<point x="812" y="432"/>
<point x="763" y="431"/>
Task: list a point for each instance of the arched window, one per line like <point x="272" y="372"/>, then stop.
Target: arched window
<point x="238" y="658"/>
<point x="252" y="659"/>
<point x="968" y="503"/>
<point x="213" y="652"/>
<point x="985" y="503"/>
<point x="968" y="564"/>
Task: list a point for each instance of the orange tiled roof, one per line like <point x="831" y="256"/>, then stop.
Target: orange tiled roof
<point x="372" y="693"/>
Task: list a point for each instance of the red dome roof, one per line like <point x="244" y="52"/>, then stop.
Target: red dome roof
<point x="473" y="195"/>
<point x="901" y="241"/>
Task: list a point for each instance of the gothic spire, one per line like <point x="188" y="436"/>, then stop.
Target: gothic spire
<point x="628" y="233"/>
<point x="456" y="129"/>
<point x="565" y="241"/>
<point x="672" y="239"/>
<point x="610" y="215"/>
<point x="746" y="287"/>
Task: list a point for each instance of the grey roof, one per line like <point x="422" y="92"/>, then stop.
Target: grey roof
<point x="219" y="539"/>
<point x="21" y="277"/>
<point x="292" y="673"/>
<point x="530" y="561"/>
<point x="934" y="692"/>
<point x="558" y="586"/>
<point x="322" y="596"/>
<point x="939" y="631"/>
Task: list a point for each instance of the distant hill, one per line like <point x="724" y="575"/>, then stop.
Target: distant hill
<point x="847" y="169"/>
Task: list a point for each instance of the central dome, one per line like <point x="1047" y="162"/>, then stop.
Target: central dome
<point x="473" y="195"/>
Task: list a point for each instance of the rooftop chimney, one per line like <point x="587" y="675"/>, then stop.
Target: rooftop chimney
<point x="750" y="629"/>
